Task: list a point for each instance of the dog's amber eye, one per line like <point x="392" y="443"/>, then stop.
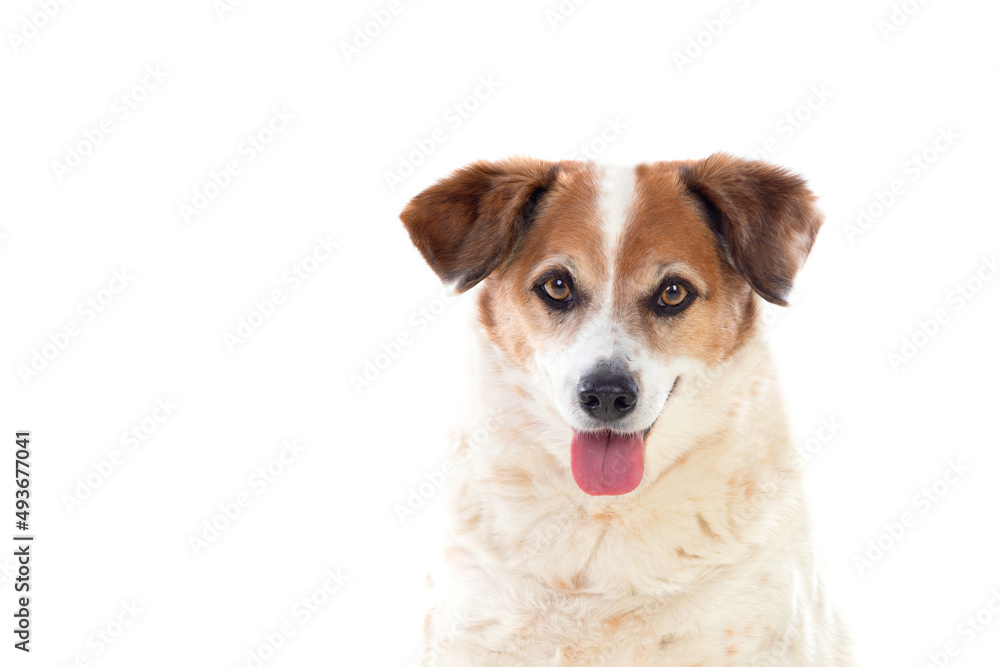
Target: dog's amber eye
<point x="557" y="289"/>
<point x="673" y="295"/>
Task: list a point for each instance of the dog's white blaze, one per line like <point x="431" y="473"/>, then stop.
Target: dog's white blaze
<point x="617" y="193"/>
<point x="605" y="335"/>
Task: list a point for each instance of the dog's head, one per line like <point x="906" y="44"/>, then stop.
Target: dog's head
<point x="606" y="284"/>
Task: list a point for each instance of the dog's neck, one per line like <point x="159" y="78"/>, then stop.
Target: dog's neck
<point x="720" y="478"/>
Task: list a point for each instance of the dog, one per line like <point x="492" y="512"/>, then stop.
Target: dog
<point x="626" y="489"/>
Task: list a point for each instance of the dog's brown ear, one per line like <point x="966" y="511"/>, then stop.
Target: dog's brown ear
<point x="466" y="225"/>
<point x="764" y="216"/>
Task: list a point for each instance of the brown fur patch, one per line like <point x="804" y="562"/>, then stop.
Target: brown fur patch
<point x="681" y="460"/>
<point x="469" y="223"/>
<point x="487" y="319"/>
<point x="572" y="584"/>
<point x="514" y="477"/>
<point x="469" y="521"/>
<point x="705" y="528"/>
<point x="608" y="513"/>
<point x="764" y="215"/>
<point x="613" y="623"/>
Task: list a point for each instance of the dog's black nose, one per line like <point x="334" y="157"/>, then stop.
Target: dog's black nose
<point x="607" y="395"/>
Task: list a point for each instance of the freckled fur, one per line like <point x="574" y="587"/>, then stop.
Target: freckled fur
<point x="709" y="561"/>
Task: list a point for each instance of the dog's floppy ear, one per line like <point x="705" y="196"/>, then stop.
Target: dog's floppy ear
<point x="466" y="225"/>
<point x="763" y="215"/>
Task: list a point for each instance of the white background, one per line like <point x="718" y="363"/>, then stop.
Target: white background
<point x="878" y="98"/>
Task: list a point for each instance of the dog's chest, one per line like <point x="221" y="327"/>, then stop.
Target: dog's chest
<point x="578" y="630"/>
<point x="593" y="597"/>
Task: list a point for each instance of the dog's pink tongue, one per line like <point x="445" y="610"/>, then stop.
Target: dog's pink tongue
<point x="606" y="464"/>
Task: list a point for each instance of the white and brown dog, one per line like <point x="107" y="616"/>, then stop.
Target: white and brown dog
<point x="635" y="496"/>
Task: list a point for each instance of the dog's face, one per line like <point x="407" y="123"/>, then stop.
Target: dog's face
<point x="608" y="286"/>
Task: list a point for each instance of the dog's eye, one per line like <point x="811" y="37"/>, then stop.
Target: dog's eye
<point x="673" y="295"/>
<point x="557" y="289"/>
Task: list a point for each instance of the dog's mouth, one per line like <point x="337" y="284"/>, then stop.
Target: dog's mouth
<point x="610" y="463"/>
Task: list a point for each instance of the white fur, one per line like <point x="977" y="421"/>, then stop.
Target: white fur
<point x="617" y="192"/>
